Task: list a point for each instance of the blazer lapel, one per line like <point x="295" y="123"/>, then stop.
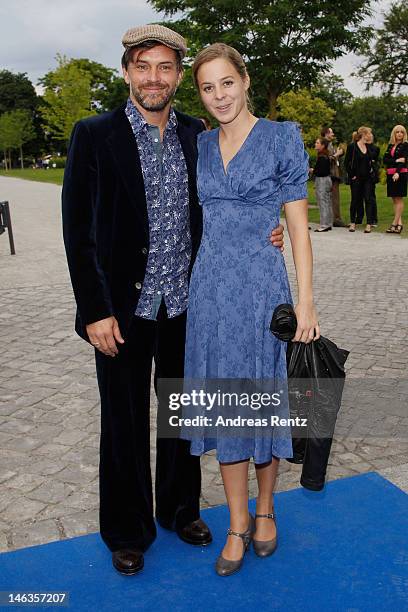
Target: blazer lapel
<point x="122" y="144"/>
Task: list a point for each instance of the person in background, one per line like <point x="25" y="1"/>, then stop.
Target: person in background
<point x="375" y="160"/>
<point x="395" y="160"/>
<point x="323" y="185"/>
<point x="334" y="155"/>
<point x="358" y="164"/>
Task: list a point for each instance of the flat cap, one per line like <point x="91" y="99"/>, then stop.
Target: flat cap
<point x="141" y="34"/>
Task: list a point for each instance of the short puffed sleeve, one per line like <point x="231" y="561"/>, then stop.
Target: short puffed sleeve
<point x="292" y="162"/>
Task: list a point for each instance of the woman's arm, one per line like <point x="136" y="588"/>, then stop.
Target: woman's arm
<point x="401" y="155"/>
<point x="348" y="159"/>
<point x="388" y="159"/>
<point x="297" y="222"/>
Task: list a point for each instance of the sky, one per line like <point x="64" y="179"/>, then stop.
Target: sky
<point x="33" y="31"/>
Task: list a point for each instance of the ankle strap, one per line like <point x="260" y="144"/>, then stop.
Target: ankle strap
<point x="245" y="537"/>
<point x="271" y="515"/>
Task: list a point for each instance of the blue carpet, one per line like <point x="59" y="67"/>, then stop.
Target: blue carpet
<point x="341" y="549"/>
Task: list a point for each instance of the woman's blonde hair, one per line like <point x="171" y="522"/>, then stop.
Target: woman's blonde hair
<point x="360" y="132"/>
<point x="217" y="51"/>
<point x="393" y="140"/>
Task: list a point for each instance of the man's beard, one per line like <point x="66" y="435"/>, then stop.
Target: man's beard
<point x="153" y="102"/>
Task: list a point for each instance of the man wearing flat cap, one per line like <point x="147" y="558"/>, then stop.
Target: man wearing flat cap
<point x="132" y="226"/>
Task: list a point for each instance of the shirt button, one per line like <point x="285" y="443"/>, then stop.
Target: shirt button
<point x="144" y="251"/>
<point x="138" y="285"/>
<point x="156" y="140"/>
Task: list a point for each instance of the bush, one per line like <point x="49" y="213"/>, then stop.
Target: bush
<point x="312" y="156"/>
<point x="58" y="161"/>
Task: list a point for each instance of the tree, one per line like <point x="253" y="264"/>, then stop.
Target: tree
<point x="7" y="138"/>
<point x="287" y="43"/>
<point x="16" y="91"/>
<point x="23" y="130"/>
<point x="386" y="61"/>
<point x="309" y="111"/>
<point x="67" y="99"/>
<point x="16" y="128"/>
<point x="116" y="93"/>
<point x="380" y="113"/>
<point x="108" y="90"/>
<point x="330" y="88"/>
<point x="187" y="99"/>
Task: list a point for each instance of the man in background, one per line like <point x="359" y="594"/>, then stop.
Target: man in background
<point x="334" y="155"/>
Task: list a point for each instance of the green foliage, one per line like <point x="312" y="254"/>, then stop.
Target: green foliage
<point x="311" y="151"/>
<point x="380" y="113"/>
<point x="16" y="128"/>
<point x="307" y="110"/>
<point x="331" y="89"/>
<point x="287" y="43"/>
<point x="187" y="99"/>
<point x="107" y="89"/>
<point x="386" y="61"/>
<point x="115" y="94"/>
<point x="23" y="126"/>
<point x="67" y="99"/>
<point x="382" y="170"/>
<point x="58" y="162"/>
<point x="53" y="175"/>
<point x="16" y="92"/>
<point x="8" y="139"/>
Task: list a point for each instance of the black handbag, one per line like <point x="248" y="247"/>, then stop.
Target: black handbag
<point x="316" y="379"/>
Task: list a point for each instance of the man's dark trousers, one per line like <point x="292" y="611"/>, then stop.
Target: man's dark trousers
<point x="126" y="501"/>
<point x="106" y="237"/>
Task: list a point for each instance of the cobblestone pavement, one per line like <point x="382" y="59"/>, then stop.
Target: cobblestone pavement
<point x="49" y="412"/>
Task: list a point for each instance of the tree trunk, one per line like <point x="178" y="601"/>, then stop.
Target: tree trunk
<point x="9" y="159"/>
<point x="273" y="111"/>
<point x="5" y="160"/>
<point x="21" y="157"/>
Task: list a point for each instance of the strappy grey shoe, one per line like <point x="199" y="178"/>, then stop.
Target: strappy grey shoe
<point x="224" y="567"/>
<point x="264" y="549"/>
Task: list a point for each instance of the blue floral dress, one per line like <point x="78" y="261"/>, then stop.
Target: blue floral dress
<point x="239" y="278"/>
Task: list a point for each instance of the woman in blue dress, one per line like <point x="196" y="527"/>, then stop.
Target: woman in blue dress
<point x="247" y="169"/>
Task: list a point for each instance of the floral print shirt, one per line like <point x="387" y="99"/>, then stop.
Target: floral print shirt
<point x="166" y="187"/>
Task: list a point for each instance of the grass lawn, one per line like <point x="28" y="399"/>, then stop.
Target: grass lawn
<point x="384" y="204"/>
<point x="384" y="208"/>
<point x="53" y="175"/>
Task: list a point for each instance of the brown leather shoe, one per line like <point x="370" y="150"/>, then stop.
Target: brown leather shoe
<point x="196" y="533"/>
<point x="128" y="561"/>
